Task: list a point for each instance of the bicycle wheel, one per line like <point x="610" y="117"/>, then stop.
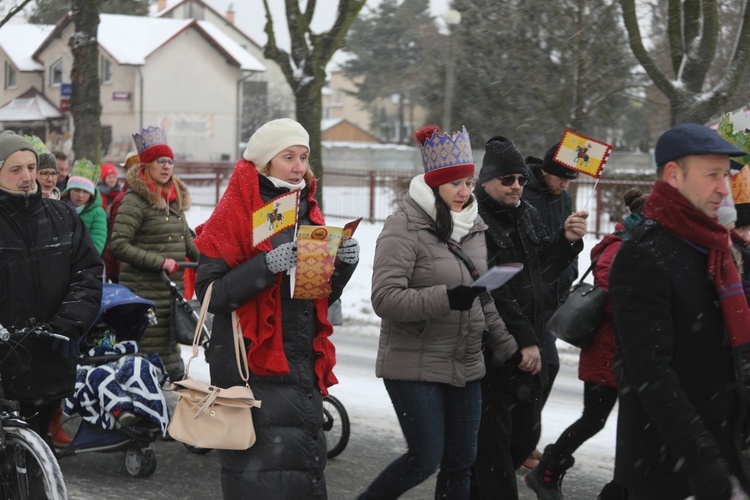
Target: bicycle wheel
<point x="335" y="425"/>
<point x="28" y="469"/>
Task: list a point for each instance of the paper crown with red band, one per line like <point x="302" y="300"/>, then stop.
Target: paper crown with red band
<point x="445" y="157"/>
<point x="151" y="144"/>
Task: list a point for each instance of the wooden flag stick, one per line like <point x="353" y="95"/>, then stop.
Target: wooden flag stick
<point x="593" y="190"/>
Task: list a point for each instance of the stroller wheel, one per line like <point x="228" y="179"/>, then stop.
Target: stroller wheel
<point x="197" y="450"/>
<point x="140" y="463"/>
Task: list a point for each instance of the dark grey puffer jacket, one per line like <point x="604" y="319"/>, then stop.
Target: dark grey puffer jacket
<point x="421" y="338"/>
<point x="146" y="231"/>
<point x="289" y="456"/>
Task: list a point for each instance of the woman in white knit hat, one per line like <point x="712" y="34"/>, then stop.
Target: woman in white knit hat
<point x="290" y="355"/>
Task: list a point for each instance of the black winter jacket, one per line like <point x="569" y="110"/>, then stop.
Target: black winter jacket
<point x="554" y="210"/>
<point x="681" y="404"/>
<point x="517" y="234"/>
<point x="289" y="457"/>
<point x="49" y="271"/>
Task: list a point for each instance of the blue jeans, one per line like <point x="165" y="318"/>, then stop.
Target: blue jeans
<point x="440" y="423"/>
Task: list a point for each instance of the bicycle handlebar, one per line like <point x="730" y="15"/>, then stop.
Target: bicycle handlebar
<point x="36" y="329"/>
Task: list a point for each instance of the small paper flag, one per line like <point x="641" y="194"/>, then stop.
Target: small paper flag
<point x="275" y="216"/>
<point x="582" y="154"/>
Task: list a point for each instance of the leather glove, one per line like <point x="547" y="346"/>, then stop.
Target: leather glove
<point x="711" y="480"/>
<point x="461" y="298"/>
<point x="349" y="251"/>
<point x="282" y="258"/>
<point x="170" y="266"/>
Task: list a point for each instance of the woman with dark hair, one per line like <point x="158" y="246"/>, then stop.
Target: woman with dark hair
<point x="430" y="353"/>
<point x="596" y="369"/>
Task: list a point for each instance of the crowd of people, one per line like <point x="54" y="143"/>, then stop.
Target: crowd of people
<point x="468" y="369"/>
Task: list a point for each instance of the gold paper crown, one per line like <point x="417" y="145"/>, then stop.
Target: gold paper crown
<point x="734" y="128"/>
<point x="39" y="146"/>
<point x="84" y="168"/>
<point x="442" y="150"/>
<point x="150" y="136"/>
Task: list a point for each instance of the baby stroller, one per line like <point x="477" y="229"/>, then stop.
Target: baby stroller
<point x="109" y="367"/>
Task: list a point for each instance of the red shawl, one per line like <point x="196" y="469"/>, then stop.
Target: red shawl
<point x="227" y="235"/>
<point x="680" y="217"/>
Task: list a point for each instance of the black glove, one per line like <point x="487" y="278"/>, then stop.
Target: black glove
<point x="67" y="348"/>
<point x="461" y="298"/>
<point x="710" y="480"/>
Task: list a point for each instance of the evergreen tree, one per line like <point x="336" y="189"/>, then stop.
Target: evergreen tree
<point x="392" y="49"/>
<point x="51" y="11"/>
<point x="530" y="68"/>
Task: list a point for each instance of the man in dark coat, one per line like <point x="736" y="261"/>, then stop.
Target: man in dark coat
<point x="682" y="325"/>
<point x="49" y="272"/>
<point x="511" y="398"/>
<point x="547" y="192"/>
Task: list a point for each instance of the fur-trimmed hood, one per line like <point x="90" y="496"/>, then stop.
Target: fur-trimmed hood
<point x="138" y="185"/>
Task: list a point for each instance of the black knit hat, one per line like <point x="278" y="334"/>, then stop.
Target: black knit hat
<point x="550" y="166"/>
<point x="501" y="157"/>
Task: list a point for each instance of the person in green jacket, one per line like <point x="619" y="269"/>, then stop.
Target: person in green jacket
<point x="81" y="193"/>
<point x="151" y="233"/>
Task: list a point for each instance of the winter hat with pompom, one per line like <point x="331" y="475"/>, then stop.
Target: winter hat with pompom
<point x="445" y="157"/>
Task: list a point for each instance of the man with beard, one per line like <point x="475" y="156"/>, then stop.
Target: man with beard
<point x="49" y="272"/>
<point x="512" y="398"/>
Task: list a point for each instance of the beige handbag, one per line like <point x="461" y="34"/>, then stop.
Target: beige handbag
<point x="207" y="416"/>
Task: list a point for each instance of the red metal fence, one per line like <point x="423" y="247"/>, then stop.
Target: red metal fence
<point x="374" y="195"/>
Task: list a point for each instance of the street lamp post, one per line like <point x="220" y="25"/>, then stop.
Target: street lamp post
<point x="451" y="18"/>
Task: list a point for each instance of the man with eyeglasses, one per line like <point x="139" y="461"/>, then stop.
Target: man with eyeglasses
<point x="47" y="174"/>
<point x="512" y="397"/>
<point x="547" y="192"/>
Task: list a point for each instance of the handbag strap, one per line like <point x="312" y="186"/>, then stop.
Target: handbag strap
<point x="239" y="345"/>
<point x="459" y="252"/>
<point x="591" y="267"/>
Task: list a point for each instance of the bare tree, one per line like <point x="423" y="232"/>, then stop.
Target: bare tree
<point x="693" y="32"/>
<point x="13" y="11"/>
<point x="304" y="66"/>
<point x="85" y="104"/>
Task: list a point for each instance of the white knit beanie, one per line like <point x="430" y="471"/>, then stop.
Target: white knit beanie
<point x="272" y="138"/>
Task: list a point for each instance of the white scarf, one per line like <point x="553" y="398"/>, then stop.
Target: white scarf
<point x="463" y="221"/>
<point x="284" y="184"/>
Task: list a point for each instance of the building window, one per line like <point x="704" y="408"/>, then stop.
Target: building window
<point x="10" y="76"/>
<point x="106" y="66"/>
<point x="56" y="73"/>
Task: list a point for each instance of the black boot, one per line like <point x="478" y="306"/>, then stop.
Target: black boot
<point x="612" y="491"/>
<point x="546" y="478"/>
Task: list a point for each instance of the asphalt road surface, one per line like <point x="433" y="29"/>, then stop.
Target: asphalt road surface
<point x="376" y="440"/>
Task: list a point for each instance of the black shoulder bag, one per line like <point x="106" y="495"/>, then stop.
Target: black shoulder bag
<point x="575" y="320"/>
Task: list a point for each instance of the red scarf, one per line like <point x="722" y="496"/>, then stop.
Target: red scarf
<point x="680" y="217"/>
<point x="168" y="193"/>
<point x="227" y="234"/>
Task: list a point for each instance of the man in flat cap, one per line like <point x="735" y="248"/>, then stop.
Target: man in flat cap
<point x="49" y="272"/>
<point x="682" y="326"/>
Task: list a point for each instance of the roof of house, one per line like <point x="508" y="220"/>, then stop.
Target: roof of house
<point x="131" y="39"/>
<point x="19" y="41"/>
<point x="29" y="106"/>
<point x="173" y="4"/>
